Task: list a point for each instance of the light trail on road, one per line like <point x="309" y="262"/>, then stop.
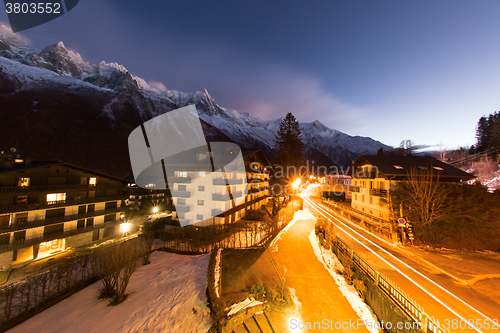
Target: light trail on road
<point x="324" y="213"/>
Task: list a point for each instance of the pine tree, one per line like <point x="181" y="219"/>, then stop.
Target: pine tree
<point x="288" y="146"/>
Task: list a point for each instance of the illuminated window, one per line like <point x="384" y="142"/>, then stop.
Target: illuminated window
<point x="23" y="182"/>
<point x="55" y="197"/>
<point x="150" y="185"/>
<point x="183" y="174"/>
<point x="201" y="174"/>
<point x="438" y="168"/>
<point x="92" y="181"/>
<point x="399" y="167"/>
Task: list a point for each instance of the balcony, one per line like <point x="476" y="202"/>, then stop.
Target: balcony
<point x="57" y="204"/>
<point x="220" y="197"/>
<point x="378" y="192"/>
<point x="67" y="233"/>
<point x="216" y="212"/>
<point x="179" y="180"/>
<point x="181" y="194"/>
<point x="22" y="223"/>
<point x="53" y="188"/>
<point x="183" y="209"/>
<point x="219" y="181"/>
<point x="354" y="189"/>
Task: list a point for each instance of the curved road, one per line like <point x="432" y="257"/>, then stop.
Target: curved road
<point x="456" y="306"/>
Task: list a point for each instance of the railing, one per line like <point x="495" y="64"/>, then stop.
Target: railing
<point x="44" y="205"/>
<point x="46" y="188"/>
<point x="220" y="181"/>
<point x="220" y="197"/>
<point x="361" y="215"/>
<point x="66" y="233"/>
<point x="180" y="194"/>
<point x="396" y="294"/>
<point x="20" y="225"/>
<point x="354" y="189"/>
<point x="378" y="192"/>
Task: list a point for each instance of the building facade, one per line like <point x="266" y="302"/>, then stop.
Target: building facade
<point x="373" y="176"/>
<point x="47" y="207"/>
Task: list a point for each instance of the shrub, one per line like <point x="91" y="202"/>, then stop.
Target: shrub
<point x="360" y="287"/>
<point x="255" y="214"/>
<point x="258" y="291"/>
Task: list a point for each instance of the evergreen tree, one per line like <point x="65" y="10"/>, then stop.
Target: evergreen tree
<point x="488" y="132"/>
<point x="288" y="146"/>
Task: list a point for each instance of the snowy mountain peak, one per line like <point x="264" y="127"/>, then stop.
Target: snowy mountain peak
<point x="9" y="40"/>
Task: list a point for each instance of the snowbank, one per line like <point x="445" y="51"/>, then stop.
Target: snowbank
<point x="330" y="262"/>
<point x="167" y="295"/>
<point x="217" y="272"/>
<point x="247" y="303"/>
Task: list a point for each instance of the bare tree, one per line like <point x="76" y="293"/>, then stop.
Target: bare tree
<point x="123" y="260"/>
<point x="146" y="241"/>
<point x="423" y="195"/>
<point x="100" y="264"/>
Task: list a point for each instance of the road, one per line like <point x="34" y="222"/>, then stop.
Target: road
<point x="442" y="297"/>
<point x="320" y="298"/>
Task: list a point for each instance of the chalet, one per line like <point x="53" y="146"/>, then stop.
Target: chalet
<point x="373" y="176"/>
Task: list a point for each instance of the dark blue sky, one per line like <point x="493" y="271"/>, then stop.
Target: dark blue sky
<point x="392" y="70"/>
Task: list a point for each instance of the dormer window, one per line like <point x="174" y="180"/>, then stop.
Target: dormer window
<point x="422" y="167"/>
<point x="438" y="168"/>
<point x="399" y="167"/>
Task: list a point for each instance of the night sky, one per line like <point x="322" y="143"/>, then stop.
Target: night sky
<point x="391" y="70"/>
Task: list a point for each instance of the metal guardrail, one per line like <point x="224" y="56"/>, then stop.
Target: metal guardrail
<point x="396" y="294"/>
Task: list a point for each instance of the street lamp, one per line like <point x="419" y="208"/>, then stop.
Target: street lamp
<point x="155" y="210"/>
<point x="296" y="184"/>
<point x="125" y="227"/>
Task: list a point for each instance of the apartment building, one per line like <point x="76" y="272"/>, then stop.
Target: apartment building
<point x="47" y="207"/>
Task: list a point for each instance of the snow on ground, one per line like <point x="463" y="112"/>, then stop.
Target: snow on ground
<point x="298" y="304"/>
<point x="299" y="215"/>
<point x="247" y="303"/>
<point x="217" y="272"/>
<point x="167" y="295"/>
<point x="330" y="262"/>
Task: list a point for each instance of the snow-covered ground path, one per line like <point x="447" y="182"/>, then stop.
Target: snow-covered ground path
<point x="167" y="295"/>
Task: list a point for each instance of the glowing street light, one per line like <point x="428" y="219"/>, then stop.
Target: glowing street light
<point x="296" y="183"/>
<point x="155" y="210"/>
<point x="125" y="227"/>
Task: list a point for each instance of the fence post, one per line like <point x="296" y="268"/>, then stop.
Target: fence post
<point x="425" y="322"/>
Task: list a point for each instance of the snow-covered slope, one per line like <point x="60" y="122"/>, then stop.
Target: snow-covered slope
<point x="55" y="68"/>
